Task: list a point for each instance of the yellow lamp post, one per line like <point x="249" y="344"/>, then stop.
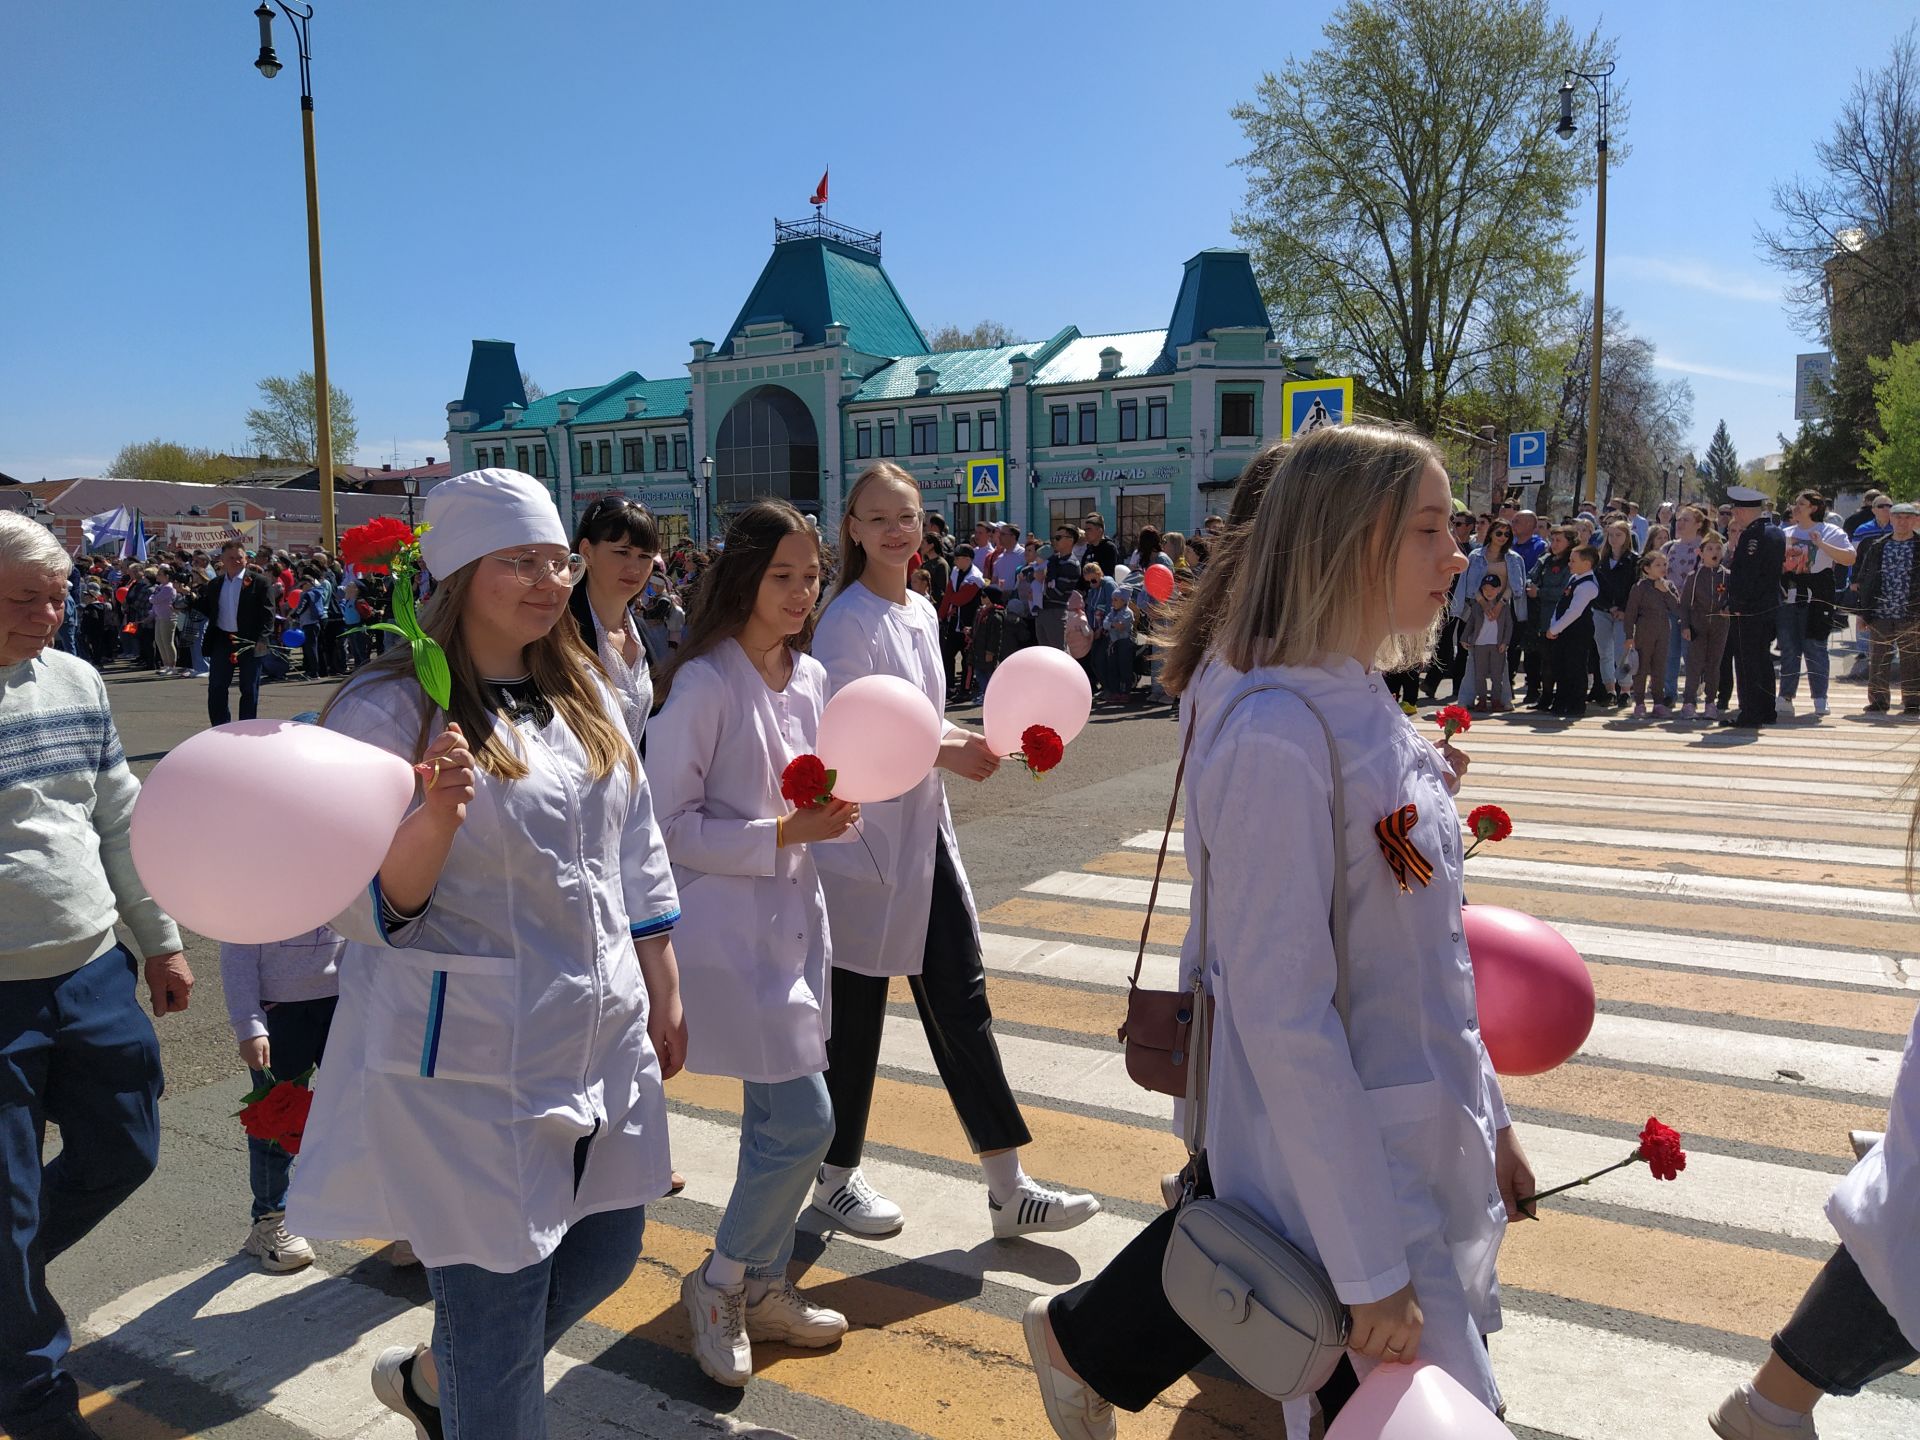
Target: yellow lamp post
<point x="268" y="64"/>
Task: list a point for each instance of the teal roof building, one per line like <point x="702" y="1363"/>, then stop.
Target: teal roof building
<point x="825" y="371"/>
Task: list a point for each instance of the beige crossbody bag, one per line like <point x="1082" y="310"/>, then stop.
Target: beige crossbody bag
<point x="1258" y="1301"/>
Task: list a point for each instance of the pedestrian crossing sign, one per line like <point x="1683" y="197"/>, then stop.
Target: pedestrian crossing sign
<point x="1309" y="404"/>
<point x="987" y="481"/>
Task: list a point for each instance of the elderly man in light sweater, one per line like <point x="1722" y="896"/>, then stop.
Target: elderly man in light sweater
<point x="75" y="1048"/>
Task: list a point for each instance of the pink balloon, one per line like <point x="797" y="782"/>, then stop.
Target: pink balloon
<point x="1535" y="993"/>
<point x="1414" y="1402"/>
<point x="882" y="735"/>
<point x="350" y="797"/>
<point x="1159" y="582"/>
<point x="1035" y="686"/>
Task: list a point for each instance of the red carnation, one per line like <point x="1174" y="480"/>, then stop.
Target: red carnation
<point x="279" y="1116"/>
<point x="1487" y="824"/>
<point x="807" y="782"/>
<point x="1040" y="749"/>
<point x="372" y="546"/>
<point x="1453" y="720"/>
<point x="1660" y="1148"/>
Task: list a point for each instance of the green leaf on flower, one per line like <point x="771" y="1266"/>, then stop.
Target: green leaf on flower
<point x="430" y="668"/>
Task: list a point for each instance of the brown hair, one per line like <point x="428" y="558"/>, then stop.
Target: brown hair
<point x="724" y="603"/>
<point x="853" y="557"/>
<point x="559" y="664"/>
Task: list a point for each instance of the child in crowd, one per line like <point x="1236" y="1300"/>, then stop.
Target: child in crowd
<point x="280" y="998"/>
<point x="1489" y="629"/>
<point x="1118" y="677"/>
<point x="1570" y="633"/>
<point x="1650" y="605"/>
<point x="988" y="646"/>
<point x="1705" y="622"/>
<point x="1078" y="629"/>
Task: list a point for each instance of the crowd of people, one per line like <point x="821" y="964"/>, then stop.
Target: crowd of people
<point x="619" y="864"/>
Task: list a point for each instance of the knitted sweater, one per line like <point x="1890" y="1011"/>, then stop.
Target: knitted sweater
<point x="66" y="797"/>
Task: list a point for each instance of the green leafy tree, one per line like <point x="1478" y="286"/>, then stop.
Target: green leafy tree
<point x="1893" y="458"/>
<point x="985" y="335"/>
<point x="1721" y="467"/>
<point x="159" y="459"/>
<point x="286" y="424"/>
<point x="1405" y="188"/>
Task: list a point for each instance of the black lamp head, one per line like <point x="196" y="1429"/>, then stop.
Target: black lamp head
<point x="269" y="63"/>
<point x="1566" y="127"/>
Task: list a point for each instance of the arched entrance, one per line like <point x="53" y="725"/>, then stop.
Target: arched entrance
<point x="767" y="445"/>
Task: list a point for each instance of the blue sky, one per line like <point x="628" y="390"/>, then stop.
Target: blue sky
<point x="597" y="182"/>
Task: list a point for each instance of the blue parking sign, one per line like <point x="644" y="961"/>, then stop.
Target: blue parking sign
<point x="1527" y="450"/>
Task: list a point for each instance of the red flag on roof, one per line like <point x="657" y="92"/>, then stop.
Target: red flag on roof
<point x="820" y="192"/>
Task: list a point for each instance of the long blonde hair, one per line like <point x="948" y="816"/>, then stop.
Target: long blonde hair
<point x="1325" y="538"/>
<point x="559" y="664"/>
<point x="853" y="556"/>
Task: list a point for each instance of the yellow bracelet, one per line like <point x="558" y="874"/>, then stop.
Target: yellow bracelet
<point x="780" y="832"/>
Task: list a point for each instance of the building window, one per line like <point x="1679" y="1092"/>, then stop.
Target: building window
<point x="520" y="459"/>
<point x="1089" y="423"/>
<point x="1236" y="415"/>
<point x="1137" y="511"/>
<point x="963" y="432"/>
<point x="1129" y="419"/>
<point x="236" y="515"/>
<point x="1156" y="419"/>
<point x="863" y="442"/>
<point x="1066" y="510"/>
<point x="586" y="457"/>
<point x="1060" y="433"/>
<point x="632" y="455"/>
<point x="499" y="457"/>
<point x="926" y="435"/>
<point x="887" y="448"/>
<point x="680" y="452"/>
<point x="989" y="430"/>
<point x="606" y="457"/>
<point x="659" y="452"/>
<point x="766" y="445"/>
<point x="540" y="462"/>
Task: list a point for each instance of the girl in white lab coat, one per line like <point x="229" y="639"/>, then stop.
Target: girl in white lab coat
<point x="1381" y="1147"/>
<point x="1860" y="1319"/>
<point x="618" y="539"/>
<point x="508" y="1002"/>
<point x="899" y="903"/>
<point x="742" y="701"/>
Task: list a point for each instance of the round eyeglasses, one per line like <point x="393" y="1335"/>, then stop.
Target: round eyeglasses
<point x="531" y="570"/>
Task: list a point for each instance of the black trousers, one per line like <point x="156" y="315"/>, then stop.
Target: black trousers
<point x="1121" y="1336"/>
<point x="1569" y="654"/>
<point x="951" y="994"/>
<point x="1449" y="659"/>
<point x="1751" y="642"/>
<point x="219" y="650"/>
<point x="1841" y="1337"/>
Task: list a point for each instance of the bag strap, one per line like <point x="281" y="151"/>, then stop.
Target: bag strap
<point x="1194" y="1130"/>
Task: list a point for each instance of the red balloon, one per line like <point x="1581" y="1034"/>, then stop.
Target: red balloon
<point x="1159" y="582"/>
<point x="1535" y="994"/>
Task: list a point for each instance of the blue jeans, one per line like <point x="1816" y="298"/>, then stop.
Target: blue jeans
<point x="196" y="634"/>
<point x="1795" y="644"/>
<point x="1610" y="639"/>
<point x="1676" y="655"/>
<point x="78" y="1050"/>
<point x="785" y="1129"/>
<point x="297" y="1037"/>
<point x="1119" y="671"/>
<point x="492" y="1332"/>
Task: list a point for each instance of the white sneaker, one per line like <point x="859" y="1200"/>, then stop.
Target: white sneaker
<point x="392" y="1374"/>
<point x="1735" y="1421"/>
<point x="719" y="1328"/>
<point x="1034" y="1209"/>
<point x="1075" y="1410"/>
<point x="785" y="1315"/>
<point x="1783" y="708"/>
<point x="857" y="1206"/>
<point x="278" y="1250"/>
<point x="1820" y="707"/>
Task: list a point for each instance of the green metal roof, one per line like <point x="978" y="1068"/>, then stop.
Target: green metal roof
<point x="961" y="372"/>
<point x="1217" y="292"/>
<point x="1142" y="352"/>
<point x="599" y="403"/>
<point x="493" y="380"/>
<point x="813" y="283"/>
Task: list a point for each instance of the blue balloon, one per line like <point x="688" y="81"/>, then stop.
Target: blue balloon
<point x="294" y="637"/>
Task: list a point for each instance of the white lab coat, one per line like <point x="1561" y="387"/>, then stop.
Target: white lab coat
<point x="880" y="894"/>
<point x="752" y="938"/>
<point x="476" y="1047"/>
<point x="632" y="684"/>
<point x="1876" y="1208"/>
<point x="1375" y="1154"/>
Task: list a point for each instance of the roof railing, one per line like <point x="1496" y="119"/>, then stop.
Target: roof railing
<point x="821" y="228"/>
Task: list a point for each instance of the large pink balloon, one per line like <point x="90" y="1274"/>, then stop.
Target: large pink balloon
<point x="1535" y="993"/>
<point x="882" y="735"/>
<point x="1414" y="1402"/>
<point x="1035" y="686"/>
<point x="192" y="827"/>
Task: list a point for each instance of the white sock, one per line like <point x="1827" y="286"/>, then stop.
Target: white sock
<point x="1770" y="1412"/>
<point x="834" y="1176"/>
<point x="1003" y="1174"/>
<point x="724" y="1273"/>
